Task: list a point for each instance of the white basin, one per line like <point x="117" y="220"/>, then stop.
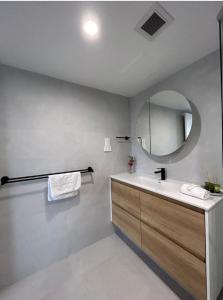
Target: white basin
<point x="154" y="184"/>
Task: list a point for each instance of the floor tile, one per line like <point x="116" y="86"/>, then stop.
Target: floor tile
<point x="106" y="270"/>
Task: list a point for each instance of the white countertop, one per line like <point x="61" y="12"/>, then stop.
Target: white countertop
<point x="169" y="188"/>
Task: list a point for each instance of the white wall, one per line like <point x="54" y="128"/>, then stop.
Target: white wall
<point x="199" y="83"/>
<point x="48" y="125"/>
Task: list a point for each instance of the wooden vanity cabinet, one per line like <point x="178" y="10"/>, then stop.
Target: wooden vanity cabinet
<point x="182" y="225"/>
<point x="184" y="267"/>
<point x="128" y="223"/>
<point x="126" y="197"/>
<point x="171" y="233"/>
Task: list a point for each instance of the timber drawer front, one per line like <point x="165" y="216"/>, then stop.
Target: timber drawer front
<point x="186" y="268"/>
<point x="128" y="223"/>
<point x="126" y="197"/>
<point x="183" y="225"/>
<point x="171" y="233"/>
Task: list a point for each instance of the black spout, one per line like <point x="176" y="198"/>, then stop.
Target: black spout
<point x="162" y="171"/>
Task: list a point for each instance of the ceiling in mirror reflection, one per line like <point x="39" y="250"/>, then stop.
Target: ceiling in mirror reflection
<point x="171" y="99"/>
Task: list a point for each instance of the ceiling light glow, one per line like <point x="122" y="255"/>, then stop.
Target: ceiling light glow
<point x="91" y="28"/>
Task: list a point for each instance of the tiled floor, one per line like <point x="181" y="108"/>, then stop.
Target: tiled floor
<point x="107" y="270"/>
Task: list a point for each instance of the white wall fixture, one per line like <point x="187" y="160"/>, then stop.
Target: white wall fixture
<point x="107" y="146"/>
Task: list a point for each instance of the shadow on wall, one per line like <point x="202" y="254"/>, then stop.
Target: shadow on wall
<point x="185" y="149"/>
<point x="47" y="125"/>
<point x="29" y="224"/>
<point x="14" y="235"/>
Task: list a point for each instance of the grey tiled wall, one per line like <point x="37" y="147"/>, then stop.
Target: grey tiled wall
<point x="49" y="125"/>
<point x="200" y="84"/>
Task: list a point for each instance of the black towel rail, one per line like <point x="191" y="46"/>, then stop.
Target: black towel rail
<point x="6" y="179"/>
<point x="123" y="137"/>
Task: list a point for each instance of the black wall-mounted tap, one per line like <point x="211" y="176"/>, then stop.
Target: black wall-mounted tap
<point x="162" y="171"/>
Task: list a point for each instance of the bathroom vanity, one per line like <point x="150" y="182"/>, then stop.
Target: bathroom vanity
<point x="182" y="234"/>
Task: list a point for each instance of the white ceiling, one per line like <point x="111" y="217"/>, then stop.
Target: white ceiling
<point x="46" y="37"/>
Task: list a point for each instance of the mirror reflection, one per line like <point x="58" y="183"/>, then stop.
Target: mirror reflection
<point x="164" y="123"/>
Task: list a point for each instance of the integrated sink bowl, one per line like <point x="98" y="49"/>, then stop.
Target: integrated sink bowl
<point x="155" y="184"/>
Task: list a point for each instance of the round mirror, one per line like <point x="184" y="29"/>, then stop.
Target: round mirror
<point x="164" y="123"/>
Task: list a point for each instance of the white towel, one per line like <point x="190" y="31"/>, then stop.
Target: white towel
<point x="195" y="191"/>
<point x="62" y="186"/>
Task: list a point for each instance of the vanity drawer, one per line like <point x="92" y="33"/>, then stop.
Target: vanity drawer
<point x="184" y="267"/>
<point x="126" y="197"/>
<point x="183" y="225"/>
<point x="127" y="223"/>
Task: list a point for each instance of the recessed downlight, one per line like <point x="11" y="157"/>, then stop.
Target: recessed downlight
<point x="91" y="28"/>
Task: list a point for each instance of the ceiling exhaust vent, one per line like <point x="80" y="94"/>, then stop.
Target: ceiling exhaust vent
<point x="155" y="21"/>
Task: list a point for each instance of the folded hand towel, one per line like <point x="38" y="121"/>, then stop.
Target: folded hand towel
<point x="63" y="186"/>
<point x="195" y="191"/>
